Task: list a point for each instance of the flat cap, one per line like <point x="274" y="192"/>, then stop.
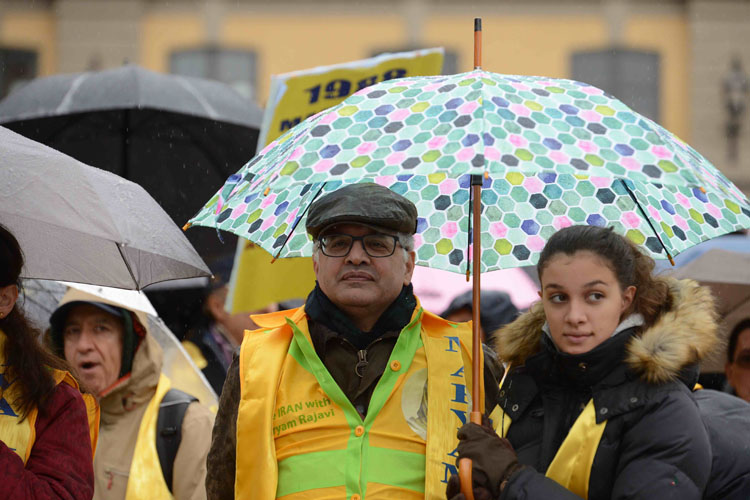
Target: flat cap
<point x="364" y="203"/>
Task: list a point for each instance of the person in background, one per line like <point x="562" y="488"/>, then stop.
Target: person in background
<point x="218" y="332"/>
<point x="737" y="368"/>
<point x="594" y="404"/>
<point x="153" y="439"/>
<point x="727" y="421"/>
<point x="45" y="435"/>
<point x="212" y="341"/>
<point x="497" y="310"/>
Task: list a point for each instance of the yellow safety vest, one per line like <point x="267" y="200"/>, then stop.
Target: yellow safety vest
<point x="299" y="437"/>
<point x="20" y="435"/>
<point x="571" y="466"/>
<point x="146" y="480"/>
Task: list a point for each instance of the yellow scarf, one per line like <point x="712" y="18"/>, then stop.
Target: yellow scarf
<point x="571" y="466"/>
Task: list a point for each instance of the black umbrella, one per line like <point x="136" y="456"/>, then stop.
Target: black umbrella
<point x="176" y="136"/>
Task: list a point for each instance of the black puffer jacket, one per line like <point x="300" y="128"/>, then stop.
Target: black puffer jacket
<point x="654" y="444"/>
<point x="727" y="419"/>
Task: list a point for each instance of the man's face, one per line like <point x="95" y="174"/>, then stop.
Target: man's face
<point x="357" y="283"/>
<point x="738" y="369"/>
<point x="92" y="340"/>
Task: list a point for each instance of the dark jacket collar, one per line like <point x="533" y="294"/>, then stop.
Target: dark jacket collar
<point x="550" y="366"/>
<point x="320" y="309"/>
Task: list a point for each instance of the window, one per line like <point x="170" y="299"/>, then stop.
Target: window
<point x="236" y="68"/>
<point x="630" y="75"/>
<point x="17" y="66"/>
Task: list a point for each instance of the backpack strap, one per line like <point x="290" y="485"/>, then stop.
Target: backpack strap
<point x="169" y="429"/>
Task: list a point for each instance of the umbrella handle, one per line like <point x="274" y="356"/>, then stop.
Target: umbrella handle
<point x="465" y="465"/>
<point x="464" y="474"/>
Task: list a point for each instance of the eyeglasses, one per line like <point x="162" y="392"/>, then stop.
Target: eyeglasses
<point x="375" y="245"/>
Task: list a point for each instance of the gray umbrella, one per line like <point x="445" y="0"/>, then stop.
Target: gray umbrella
<point x="154" y="129"/>
<point x="129" y="87"/>
<point x="81" y="224"/>
<point x="723" y="264"/>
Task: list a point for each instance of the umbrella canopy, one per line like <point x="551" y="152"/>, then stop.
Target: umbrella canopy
<point x="723" y="264"/>
<point x="539" y="153"/>
<point x="78" y="223"/>
<point x="553" y="153"/>
<point x="175" y="136"/>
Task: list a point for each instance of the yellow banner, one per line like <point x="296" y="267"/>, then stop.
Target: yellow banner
<point x="298" y="95"/>
<point x="256" y="283"/>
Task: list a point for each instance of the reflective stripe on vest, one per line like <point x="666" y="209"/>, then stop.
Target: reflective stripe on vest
<point x="321" y="445"/>
<point x="571" y="466"/>
<point x="145" y="480"/>
<point x="19" y="435"/>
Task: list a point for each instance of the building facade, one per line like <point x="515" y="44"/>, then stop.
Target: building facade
<point x="683" y="63"/>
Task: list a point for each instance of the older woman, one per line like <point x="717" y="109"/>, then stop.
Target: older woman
<point x="45" y="440"/>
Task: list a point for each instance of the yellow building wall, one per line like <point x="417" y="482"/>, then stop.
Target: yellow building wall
<point x="519" y="44"/>
<point x="163" y="33"/>
<point x="669" y="36"/>
<point x="543" y="45"/>
<point x="284" y="43"/>
<point x="524" y="44"/>
<point x="33" y="30"/>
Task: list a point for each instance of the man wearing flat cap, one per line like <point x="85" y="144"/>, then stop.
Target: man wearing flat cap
<point x="358" y="393"/>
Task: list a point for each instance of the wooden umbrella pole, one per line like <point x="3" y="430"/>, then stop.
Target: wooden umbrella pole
<point x="477" y="403"/>
<point x="477" y="43"/>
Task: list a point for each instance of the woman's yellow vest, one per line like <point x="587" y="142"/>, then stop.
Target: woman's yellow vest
<point x="19" y="434"/>
<point x="299" y="437"/>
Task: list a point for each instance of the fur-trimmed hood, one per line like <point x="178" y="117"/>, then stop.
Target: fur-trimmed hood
<point x="683" y="335"/>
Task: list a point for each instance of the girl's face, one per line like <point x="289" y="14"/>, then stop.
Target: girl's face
<point x="582" y="300"/>
<point x="8" y="297"/>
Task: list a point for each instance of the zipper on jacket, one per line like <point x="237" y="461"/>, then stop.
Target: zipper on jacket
<point x="361" y="362"/>
<point x="110" y="475"/>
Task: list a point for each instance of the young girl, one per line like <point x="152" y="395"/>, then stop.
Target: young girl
<point x="596" y="402"/>
<point x="45" y="440"/>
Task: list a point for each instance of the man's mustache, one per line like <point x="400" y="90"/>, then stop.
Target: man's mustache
<point x="358" y="271"/>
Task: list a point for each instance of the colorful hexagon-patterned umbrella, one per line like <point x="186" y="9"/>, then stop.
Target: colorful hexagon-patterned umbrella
<point x="553" y="153"/>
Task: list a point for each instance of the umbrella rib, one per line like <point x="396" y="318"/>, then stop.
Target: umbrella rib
<point x="210" y="111"/>
<point x="296" y="223"/>
<point x="648" y="220"/>
<point x="68" y="97"/>
<point x="127" y="265"/>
